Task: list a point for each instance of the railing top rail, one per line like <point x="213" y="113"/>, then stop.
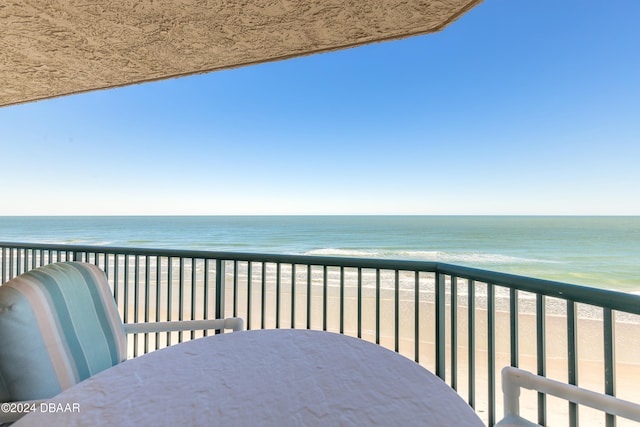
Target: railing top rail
<point x="374" y="263"/>
<point x="614" y="300"/>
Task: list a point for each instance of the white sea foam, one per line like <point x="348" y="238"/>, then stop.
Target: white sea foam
<point x="81" y="242"/>
<point x="344" y="253"/>
<point x="452" y="257"/>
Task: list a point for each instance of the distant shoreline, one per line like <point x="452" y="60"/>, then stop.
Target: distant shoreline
<point x="245" y="215"/>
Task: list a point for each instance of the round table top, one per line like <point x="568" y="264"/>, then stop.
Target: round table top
<point x="266" y="378"/>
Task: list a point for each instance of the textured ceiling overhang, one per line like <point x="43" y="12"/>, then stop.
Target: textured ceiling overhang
<point x="51" y="48"/>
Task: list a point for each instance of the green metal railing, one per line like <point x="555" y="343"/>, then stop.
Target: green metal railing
<point x="446" y="317"/>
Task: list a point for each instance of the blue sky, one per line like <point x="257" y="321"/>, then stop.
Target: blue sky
<point x="519" y="107"/>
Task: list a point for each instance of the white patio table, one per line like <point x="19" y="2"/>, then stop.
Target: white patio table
<point x="261" y="378"/>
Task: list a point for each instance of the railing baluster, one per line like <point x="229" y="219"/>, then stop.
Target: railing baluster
<point x="513" y="325"/>
<point x="194" y="281"/>
<point x="136" y="300"/>
<point x="377" y="306"/>
<point x="491" y="352"/>
<point x="342" y="300"/>
<point x="116" y="268"/>
<point x="471" y="313"/>
<point x="206" y="296"/>
<point x="4" y="269"/>
<point x="278" y="272"/>
<point x="541" y="355"/>
<point x="221" y="295"/>
<point x="220" y="288"/>
<point x="126" y="289"/>
<point x="416" y="312"/>
<point x="397" y="311"/>
<point x="11" y="276"/>
<point x="158" y="289"/>
<point x="169" y="294"/>
<point x="249" y="280"/>
<point x="324" y="298"/>
<point x="309" y="290"/>
<point x="293" y="296"/>
<point x="181" y="296"/>
<point x="440" y="327"/>
<point x="263" y="296"/>
<point x="359" y="302"/>
<point x="572" y="357"/>
<point x="609" y="359"/>
<point x="235" y="288"/>
<point x="147" y="270"/>
<point x="205" y="291"/>
<point x="454" y="332"/>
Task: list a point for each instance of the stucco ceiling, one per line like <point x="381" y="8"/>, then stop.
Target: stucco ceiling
<point x="51" y="48"/>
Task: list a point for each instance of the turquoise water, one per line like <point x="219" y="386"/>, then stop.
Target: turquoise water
<point x="595" y="251"/>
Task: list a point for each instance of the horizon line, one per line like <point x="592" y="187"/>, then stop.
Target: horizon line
<point x="316" y="215"/>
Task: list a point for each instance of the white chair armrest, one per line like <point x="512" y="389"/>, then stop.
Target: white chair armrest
<point x="513" y="379"/>
<point x="515" y="421"/>
<point x="233" y="323"/>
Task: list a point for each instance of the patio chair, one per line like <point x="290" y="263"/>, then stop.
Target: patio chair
<point x="513" y="379"/>
<point x="59" y="325"/>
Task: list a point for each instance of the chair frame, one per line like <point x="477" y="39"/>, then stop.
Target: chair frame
<point x="233" y="323"/>
<point x="513" y="379"/>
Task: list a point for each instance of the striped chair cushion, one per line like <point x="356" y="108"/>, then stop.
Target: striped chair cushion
<point x="58" y="325"/>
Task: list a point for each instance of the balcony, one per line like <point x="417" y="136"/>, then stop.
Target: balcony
<point x="463" y="324"/>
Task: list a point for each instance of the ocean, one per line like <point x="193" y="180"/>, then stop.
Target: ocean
<point x="601" y="252"/>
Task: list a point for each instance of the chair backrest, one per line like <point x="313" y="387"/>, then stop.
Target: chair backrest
<point x="58" y="326"/>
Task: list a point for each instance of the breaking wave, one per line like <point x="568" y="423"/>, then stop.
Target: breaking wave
<point x="449" y="257"/>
